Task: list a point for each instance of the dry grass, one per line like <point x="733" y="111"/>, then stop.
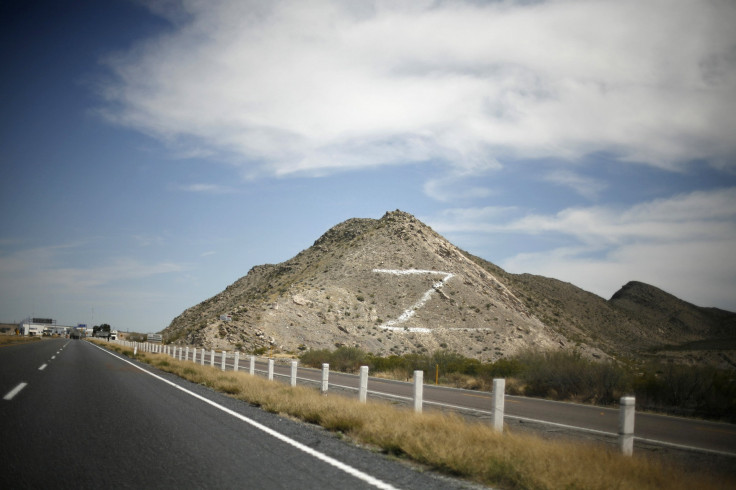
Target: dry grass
<point x="446" y="443"/>
<point x="16" y="339"/>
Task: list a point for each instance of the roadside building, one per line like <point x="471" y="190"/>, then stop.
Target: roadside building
<point x="35" y="326"/>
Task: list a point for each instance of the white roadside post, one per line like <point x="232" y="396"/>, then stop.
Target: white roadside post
<point x="325" y="378"/>
<point x="236" y="361"/>
<point x="135" y="351"/>
<point x="418" y="390"/>
<point x="626" y="425"/>
<point x="270" y="369"/>
<point x="252" y="369"/>
<point x="181" y="353"/>
<point x="497" y="402"/>
<point x="194" y="355"/>
<point x="186" y="354"/>
<point x="212" y="357"/>
<point x="201" y="358"/>
<point x="224" y="356"/>
<point x="293" y="372"/>
<point x="363" y="392"/>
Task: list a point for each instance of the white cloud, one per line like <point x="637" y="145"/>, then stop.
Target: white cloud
<point x="488" y="219"/>
<point x="585" y="186"/>
<point x="202" y="188"/>
<point x="700" y="215"/>
<point x="683" y="244"/>
<point x="147" y="240"/>
<point x="288" y="87"/>
<point x="45" y="269"/>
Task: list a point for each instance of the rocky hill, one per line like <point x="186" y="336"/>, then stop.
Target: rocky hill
<point x="394" y="286"/>
<point x="640" y="321"/>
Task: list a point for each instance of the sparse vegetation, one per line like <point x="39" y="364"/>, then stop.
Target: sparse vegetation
<point x="446" y="443"/>
<point x="559" y="375"/>
<point x="17" y="339"/>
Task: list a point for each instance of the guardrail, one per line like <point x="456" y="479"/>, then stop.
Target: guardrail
<point x="626" y="412"/>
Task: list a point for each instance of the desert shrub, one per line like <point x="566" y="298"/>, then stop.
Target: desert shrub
<point x="565" y="375"/>
<point x="315" y="358"/>
<point x="687" y="390"/>
<point x="503" y="368"/>
<point x="379" y="364"/>
<point x="347" y="359"/>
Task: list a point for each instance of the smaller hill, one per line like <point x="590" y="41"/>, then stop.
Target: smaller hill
<point x="640" y="321"/>
<point x="678" y="320"/>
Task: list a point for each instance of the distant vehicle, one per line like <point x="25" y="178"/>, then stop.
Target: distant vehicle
<point x="102" y="331"/>
<point x="114" y="335"/>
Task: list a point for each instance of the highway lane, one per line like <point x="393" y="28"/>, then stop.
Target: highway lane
<point x="21" y="362"/>
<point x="676" y="431"/>
<point x="91" y="419"/>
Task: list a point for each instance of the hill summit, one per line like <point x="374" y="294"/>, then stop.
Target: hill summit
<point x="395" y="286"/>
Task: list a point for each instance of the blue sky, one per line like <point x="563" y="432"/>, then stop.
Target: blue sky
<point x="151" y="153"/>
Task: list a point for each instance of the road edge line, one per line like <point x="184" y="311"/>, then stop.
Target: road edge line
<point x="296" y="444"/>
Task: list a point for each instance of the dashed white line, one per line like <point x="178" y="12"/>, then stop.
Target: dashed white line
<point x="15" y="391"/>
<point x="43" y="366"/>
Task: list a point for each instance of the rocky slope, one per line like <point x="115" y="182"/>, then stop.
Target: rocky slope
<point x="388" y="286"/>
<point x="394" y="286"/>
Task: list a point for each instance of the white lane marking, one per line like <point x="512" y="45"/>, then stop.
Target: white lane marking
<point x="43" y="366"/>
<point x="298" y="445"/>
<point x="53" y="357"/>
<point x="15" y="391"/>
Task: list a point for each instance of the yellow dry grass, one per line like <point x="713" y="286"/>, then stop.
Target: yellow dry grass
<point x="447" y="443"/>
<point x="16" y="339"/>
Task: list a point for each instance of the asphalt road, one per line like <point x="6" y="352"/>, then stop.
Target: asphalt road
<point x="86" y="418"/>
<point x="649" y="428"/>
